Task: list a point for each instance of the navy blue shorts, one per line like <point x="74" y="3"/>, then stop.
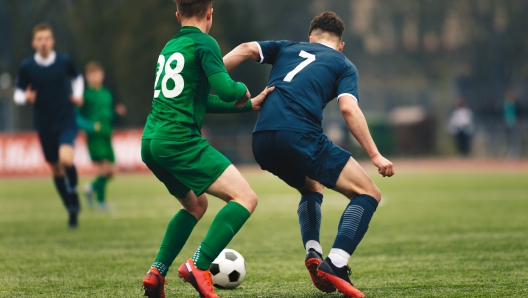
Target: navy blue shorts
<point x="51" y="141"/>
<point x="293" y="156"/>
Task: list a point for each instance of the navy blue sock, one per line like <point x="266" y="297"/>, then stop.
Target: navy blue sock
<point x="309" y="212"/>
<point x="72" y="179"/>
<point x="354" y="222"/>
<point x="71" y="174"/>
<point x="60" y="184"/>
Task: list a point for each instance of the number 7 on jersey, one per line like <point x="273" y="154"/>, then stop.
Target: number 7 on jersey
<point x="309" y="59"/>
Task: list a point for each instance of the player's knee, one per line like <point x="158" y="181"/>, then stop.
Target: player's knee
<point x="252" y="201"/>
<point x="66" y="162"/>
<point x="109" y="173"/>
<point x="57" y="170"/>
<point x="197" y="209"/>
<point x="310" y="187"/>
<point x="201" y="208"/>
<point x="375" y="193"/>
<point x="249" y="200"/>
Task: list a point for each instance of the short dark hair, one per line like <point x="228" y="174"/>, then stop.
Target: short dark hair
<point x="41" y="27"/>
<point x="328" y="22"/>
<point x="193" y="8"/>
<point x="93" y="66"/>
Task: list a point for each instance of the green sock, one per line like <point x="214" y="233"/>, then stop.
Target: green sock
<point x="178" y="231"/>
<point x="99" y="186"/>
<point x="101" y="193"/>
<point x="223" y="228"/>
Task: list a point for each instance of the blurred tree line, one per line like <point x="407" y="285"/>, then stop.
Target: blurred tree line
<point x="423" y="52"/>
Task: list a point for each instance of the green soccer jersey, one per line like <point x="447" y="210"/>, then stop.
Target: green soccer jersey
<point x="97" y="107"/>
<point x="181" y="90"/>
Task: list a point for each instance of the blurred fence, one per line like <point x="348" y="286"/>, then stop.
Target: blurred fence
<point x="21" y="154"/>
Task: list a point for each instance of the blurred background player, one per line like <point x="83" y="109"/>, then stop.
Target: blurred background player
<point x="175" y="151"/>
<point x="461" y="127"/>
<point x="288" y="141"/>
<point x="51" y="82"/>
<point x="511" y="120"/>
<point x="96" y="118"/>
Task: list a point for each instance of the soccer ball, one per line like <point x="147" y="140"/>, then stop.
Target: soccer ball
<point x="228" y="269"/>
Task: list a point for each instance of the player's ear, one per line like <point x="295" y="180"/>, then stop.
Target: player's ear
<point x="312" y="39"/>
<point x="178" y="16"/>
<point x="341" y="46"/>
<point x="210" y="14"/>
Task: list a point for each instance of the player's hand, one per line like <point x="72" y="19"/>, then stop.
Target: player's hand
<point x="257" y="102"/>
<point x="120" y="109"/>
<point x="78" y="101"/>
<point x="97" y="126"/>
<point x="31" y="95"/>
<point x="385" y="166"/>
<point x="243" y="100"/>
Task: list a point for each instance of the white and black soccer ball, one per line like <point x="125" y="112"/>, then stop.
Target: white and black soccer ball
<point x="228" y="269"/>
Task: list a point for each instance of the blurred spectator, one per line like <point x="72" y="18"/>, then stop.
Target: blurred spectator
<point x="511" y="110"/>
<point x="461" y="127"/>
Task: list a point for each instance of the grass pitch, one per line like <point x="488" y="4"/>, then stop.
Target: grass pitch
<point x="435" y="235"/>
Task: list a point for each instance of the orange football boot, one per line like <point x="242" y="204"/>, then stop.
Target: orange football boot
<point x="154" y="284"/>
<point x="312" y="261"/>
<point x="339" y="278"/>
<point x="201" y="280"/>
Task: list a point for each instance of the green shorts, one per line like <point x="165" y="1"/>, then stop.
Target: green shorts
<point x="100" y="147"/>
<point x="184" y="165"/>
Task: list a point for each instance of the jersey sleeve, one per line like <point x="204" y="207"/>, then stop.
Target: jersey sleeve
<point x="217" y="106"/>
<point x="82" y="122"/>
<point x="227" y="89"/>
<point x="208" y="53"/>
<point x="269" y="50"/>
<point x="22" y="80"/>
<point x="348" y="83"/>
<point x="71" y="69"/>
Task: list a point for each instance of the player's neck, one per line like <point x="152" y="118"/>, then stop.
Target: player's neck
<point x="200" y="24"/>
<point x="45" y="55"/>
<point x="45" y="61"/>
<point x="328" y="43"/>
<point x="95" y="87"/>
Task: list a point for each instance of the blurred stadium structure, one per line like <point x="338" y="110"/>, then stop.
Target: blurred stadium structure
<point x="415" y="58"/>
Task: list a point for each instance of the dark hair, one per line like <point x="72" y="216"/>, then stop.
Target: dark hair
<point x="193" y="8"/>
<point x="41" y="27"/>
<point x="328" y="22"/>
<point x="93" y="66"/>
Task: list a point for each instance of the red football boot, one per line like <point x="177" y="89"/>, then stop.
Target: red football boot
<point x="201" y="280"/>
<point x="312" y="261"/>
<point x="154" y="284"/>
<point x="339" y="278"/>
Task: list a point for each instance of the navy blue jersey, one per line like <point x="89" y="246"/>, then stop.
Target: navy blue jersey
<point x="306" y="77"/>
<point x="53" y="109"/>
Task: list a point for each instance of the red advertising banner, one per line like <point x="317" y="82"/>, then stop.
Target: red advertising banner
<point x="21" y="154"/>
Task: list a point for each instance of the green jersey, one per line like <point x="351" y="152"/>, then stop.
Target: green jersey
<point x="181" y="90"/>
<point x="97" y="107"/>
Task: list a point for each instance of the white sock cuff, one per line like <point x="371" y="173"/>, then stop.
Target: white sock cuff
<point x="339" y="257"/>
<point x="315" y="245"/>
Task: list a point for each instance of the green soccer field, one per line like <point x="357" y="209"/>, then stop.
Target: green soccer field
<point x="435" y="235"/>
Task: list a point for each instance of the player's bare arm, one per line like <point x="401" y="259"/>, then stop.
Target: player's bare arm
<point x="248" y="50"/>
<point x="358" y="127"/>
